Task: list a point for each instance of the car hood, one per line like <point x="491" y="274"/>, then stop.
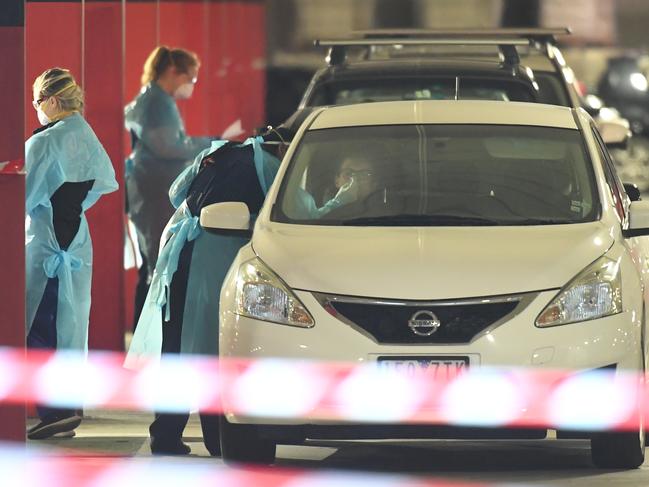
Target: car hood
<point x="429" y="263"/>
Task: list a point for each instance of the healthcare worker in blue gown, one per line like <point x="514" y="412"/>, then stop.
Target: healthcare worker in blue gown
<point x="181" y="312"/>
<point x="68" y="170"/>
<point x="161" y="150"/>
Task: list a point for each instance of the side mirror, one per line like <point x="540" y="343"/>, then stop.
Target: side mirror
<point x="614" y="134"/>
<point x="638" y="219"/>
<point x="229" y="218"/>
<point x="632" y="191"/>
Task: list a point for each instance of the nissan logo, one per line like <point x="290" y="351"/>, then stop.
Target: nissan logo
<point x="424" y="323"/>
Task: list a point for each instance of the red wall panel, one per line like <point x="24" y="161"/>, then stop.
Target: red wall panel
<point x="47" y="47"/>
<point x="182" y="25"/>
<point x="96" y="62"/>
<point x="12" y="283"/>
<point x="12" y="85"/>
<point x="228" y="96"/>
<point x="140" y="38"/>
<point x="104" y="98"/>
<point x="229" y="38"/>
<point x="255" y="43"/>
<point x="12" y="201"/>
<point x="217" y="38"/>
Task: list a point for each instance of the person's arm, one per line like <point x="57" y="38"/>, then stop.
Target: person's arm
<point x="308" y="207"/>
<point x="160" y="129"/>
<point x="168" y="142"/>
<point x="43" y="174"/>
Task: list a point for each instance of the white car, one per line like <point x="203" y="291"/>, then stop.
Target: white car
<point x="453" y="233"/>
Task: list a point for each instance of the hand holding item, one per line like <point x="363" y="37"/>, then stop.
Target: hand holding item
<point x="347" y="193"/>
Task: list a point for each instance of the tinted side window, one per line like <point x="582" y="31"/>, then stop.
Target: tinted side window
<point x="423" y="87"/>
<point x="499" y="90"/>
<point x="552" y="90"/>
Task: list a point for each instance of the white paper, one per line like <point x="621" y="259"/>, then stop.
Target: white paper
<point x="233" y="130"/>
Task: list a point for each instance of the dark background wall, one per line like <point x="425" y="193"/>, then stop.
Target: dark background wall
<point x="11" y="82"/>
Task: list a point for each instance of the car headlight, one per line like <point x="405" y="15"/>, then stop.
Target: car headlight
<point x="596" y="292"/>
<point x="262" y="295"/>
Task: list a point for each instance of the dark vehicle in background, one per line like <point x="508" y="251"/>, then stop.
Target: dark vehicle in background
<point x="374" y="81"/>
<point x="479" y="64"/>
<point x="387" y="72"/>
<point x="285" y="86"/>
<point x="624" y="86"/>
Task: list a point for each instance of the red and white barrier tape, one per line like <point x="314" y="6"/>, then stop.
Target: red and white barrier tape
<point x="270" y="388"/>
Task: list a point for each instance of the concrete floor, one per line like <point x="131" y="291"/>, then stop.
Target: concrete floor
<point x="522" y="462"/>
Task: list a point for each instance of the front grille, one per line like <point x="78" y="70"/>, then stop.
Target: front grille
<point x="388" y="322"/>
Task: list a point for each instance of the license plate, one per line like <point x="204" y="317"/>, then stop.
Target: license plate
<point x="433" y="367"/>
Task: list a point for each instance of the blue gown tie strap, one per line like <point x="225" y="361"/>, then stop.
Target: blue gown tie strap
<point x="185" y="230"/>
<point x="59" y="262"/>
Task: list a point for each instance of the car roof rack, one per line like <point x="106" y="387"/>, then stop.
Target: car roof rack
<point x="337" y="53"/>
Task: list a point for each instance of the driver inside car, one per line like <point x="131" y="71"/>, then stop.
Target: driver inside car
<point x="354" y="182"/>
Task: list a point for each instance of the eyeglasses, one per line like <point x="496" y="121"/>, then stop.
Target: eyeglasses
<point x="38" y="102"/>
<point x="358" y="174"/>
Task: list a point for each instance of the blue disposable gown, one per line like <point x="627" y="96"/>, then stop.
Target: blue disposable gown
<point x="161" y="151"/>
<point x="210" y="261"/>
<point x="68" y="152"/>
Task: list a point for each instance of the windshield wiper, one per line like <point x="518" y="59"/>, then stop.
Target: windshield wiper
<point x="414" y="220"/>
<point x="539" y="221"/>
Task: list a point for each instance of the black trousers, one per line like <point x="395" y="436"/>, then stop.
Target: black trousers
<point x="168" y="428"/>
<point x="42" y="335"/>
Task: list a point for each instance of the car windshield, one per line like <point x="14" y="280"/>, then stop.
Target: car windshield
<point x="438" y="175"/>
<point x="346" y="92"/>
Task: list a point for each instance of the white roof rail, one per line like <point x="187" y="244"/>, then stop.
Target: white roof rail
<point x="524" y="32"/>
<point x="393" y="41"/>
<point x="338" y="47"/>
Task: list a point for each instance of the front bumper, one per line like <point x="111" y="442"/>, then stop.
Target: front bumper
<point x="611" y="341"/>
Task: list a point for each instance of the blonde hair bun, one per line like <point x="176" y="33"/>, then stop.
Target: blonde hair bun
<point x="60" y="84"/>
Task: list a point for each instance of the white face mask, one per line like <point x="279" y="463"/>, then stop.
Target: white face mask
<point x="183" y="92"/>
<point x="42" y="118"/>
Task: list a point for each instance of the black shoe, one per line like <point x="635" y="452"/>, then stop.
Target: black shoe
<point x="51" y="426"/>
<point x="178" y="448"/>
<point x="214" y="452"/>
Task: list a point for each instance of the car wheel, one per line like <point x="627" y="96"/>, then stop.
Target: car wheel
<point x="618" y="450"/>
<point x="240" y="443"/>
<point x="624" y="450"/>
